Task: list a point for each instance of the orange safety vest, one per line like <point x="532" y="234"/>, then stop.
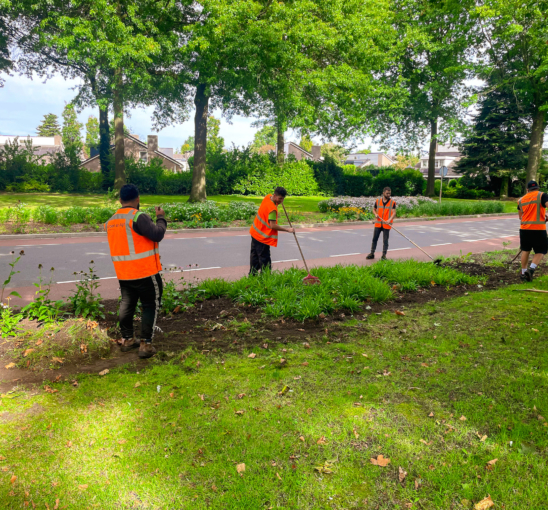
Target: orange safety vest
<point x="384" y="212"/>
<point x="533" y="215"/>
<point x="134" y="256"/>
<point x="260" y="229"/>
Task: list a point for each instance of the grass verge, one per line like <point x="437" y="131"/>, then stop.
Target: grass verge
<point x="452" y="393"/>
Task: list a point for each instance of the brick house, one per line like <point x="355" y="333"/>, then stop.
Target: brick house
<point x="45" y="146"/>
<point x="137" y="149"/>
<point x="299" y="153"/>
<point x="379" y="159"/>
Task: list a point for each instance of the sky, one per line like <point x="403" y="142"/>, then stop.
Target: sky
<point x="25" y="101"/>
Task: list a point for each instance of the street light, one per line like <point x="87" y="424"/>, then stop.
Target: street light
<point x="443" y="173"/>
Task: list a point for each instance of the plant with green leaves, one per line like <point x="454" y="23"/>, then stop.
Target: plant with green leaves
<point x="438" y="40"/>
<point x="92" y="135"/>
<point x="86" y="302"/>
<point x="42" y="308"/>
<point x="515" y="34"/>
<point x="8" y="324"/>
<point x="49" y="126"/>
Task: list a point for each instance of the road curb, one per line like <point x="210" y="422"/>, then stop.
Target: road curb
<point x="62" y="235"/>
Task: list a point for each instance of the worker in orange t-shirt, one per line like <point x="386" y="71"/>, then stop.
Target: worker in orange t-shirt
<point x="264" y="231"/>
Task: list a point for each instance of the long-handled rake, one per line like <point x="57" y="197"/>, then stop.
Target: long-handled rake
<point x="309" y="279"/>
<point x="435" y="261"/>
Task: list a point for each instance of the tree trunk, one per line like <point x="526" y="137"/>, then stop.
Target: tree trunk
<point x="280" y="152"/>
<point x="535" y="145"/>
<point x="198" y="190"/>
<point x="104" y="143"/>
<point x="119" y="142"/>
<point x="504" y="187"/>
<point x="431" y="184"/>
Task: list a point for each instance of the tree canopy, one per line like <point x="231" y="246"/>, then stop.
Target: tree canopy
<point x="49" y="126"/>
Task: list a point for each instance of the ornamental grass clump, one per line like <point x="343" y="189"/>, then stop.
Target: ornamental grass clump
<point x="282" y="294"/>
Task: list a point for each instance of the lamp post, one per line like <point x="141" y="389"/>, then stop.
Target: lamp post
<point x="443" y="173"/>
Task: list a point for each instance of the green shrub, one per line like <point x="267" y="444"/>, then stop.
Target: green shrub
<point x="297" y="177"/>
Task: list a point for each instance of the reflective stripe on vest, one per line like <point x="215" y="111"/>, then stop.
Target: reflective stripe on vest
<point x="532" y="212"/>
<point x="130" y="263"/>
<point x="260" y="228"/>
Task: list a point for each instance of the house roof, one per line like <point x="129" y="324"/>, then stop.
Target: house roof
<point x="138" y="142"/>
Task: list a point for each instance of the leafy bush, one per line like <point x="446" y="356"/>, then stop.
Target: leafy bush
<point x="367" y="203"/>
<point x="297" y="177"/>
<point x="452" y="209"/>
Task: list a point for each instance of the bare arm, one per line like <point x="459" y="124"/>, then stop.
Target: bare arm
<point x="279" y="228"/>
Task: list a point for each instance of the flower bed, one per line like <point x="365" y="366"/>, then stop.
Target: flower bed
<point x="367" y="203"/>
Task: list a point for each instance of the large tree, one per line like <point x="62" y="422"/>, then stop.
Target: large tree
<point x="498" y="143"/>
<point x="112" y="45"/>
<point x="72" y="133"/>
<point x="439" y="38"/>
<point x="49" y="126"/>
<point x="265" y="136"/>
<point x="92" y="135"/>
<point x="515" y="39"/>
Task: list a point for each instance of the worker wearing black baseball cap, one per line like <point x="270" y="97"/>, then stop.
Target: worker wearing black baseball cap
<point x="532" y="233"/>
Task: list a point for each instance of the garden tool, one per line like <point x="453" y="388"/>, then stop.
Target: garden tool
<point x="309" y="279"/>
<point x="435" y="261"/>
<point x="512" y="261"/>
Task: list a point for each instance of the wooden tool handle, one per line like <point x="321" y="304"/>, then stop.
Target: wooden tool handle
<point x="297" y="241"/>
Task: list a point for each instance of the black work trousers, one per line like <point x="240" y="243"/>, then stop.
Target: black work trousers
<point x="376" y="234"/>
<point x="260" y="257"/>
<point x="147" y="290"/>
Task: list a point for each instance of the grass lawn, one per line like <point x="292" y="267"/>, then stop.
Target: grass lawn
<point x="454" y="393"/>
<point x="62" y="200"/>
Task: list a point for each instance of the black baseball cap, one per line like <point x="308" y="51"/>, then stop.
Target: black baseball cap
<point x="532" y="185"/>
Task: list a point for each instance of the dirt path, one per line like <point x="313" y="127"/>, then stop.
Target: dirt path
<point x="219" y="325"/>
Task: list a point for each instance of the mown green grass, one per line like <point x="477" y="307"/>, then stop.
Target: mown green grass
<point x="62" y="200"/>
<point x="118" y="441"/>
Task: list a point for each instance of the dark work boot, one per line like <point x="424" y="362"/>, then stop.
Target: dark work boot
<point x="146" y="350"/>
<point x="384" y="256"/>
<point x="370" y="256"/>
<point x="128" y="344"/>
<point x="529" y="275"/>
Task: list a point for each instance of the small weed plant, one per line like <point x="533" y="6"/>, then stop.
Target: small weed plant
<point x="86" y="301"/>
<point x="43" y="309"/>
<point x="10" y="320"/>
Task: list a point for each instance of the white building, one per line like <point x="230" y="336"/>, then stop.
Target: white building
<point x="378" y="159"/>
<point x="445" y="156"/>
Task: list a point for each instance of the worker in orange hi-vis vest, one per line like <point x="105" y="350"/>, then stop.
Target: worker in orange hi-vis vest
<point x="133" y="241"/>
<point x="264" y="231"/>
<point x="385" y="212"/>
<point x="532" y="232"/>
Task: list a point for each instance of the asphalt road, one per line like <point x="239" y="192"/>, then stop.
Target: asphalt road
<point x="199" y="252"/>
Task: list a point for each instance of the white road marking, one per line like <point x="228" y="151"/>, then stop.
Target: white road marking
<point x="397" y="249"/>
<point x="104" y="278"/>
<point x="189" y="237"/>
<point x="288" y="260"/>
<point x="345" y="254"/>
<point x="441" y="244"/>
<point x="474" y="240"/>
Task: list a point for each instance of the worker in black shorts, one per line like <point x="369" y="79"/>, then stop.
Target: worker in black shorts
<point x="532" y="233"/>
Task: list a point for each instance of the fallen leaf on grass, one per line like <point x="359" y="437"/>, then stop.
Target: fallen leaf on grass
<point x="122" y="441"/>
<point x="49" y="390"/>
<point x="27" y="352"/>
<point x="380" y="461"/>
<point x="322" y="440"/>
<point x="240" y="413"/>
<point x="534" y="329"/>
<point x="462" y="418"/>
<point x="365" y="355"/>
<point x="301" y="438"/>
<point x="424" y="365"/>
<point x="55" y="359"/>
<point x="402" y="474"/>
<point x="306" y="345"/>
<point x="301" y="330"/>
<point x="13" y="478"/>
<point x="240" y="468"/>
<point x="482" y="438"/>
<point x="431" y="415"/>
<point x="424" y="442"/>
<point x="69" y="444"/>
<point x="137" y="384"/>
<point x="356" y="433"/>
<point x="56" y="504"/>
<point x="398" y="312"/>
<point x="104" y="372"/>
<point x="492" y="462"/>
<point x="10" y="365"/>
<point x="38" y="342"/>
<point x="278" y="475"/>
<point x="484" y="504"/>
<point x="241" y="395"/>
<point x="252" y="355"/>
<point x="83" y="487"/>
